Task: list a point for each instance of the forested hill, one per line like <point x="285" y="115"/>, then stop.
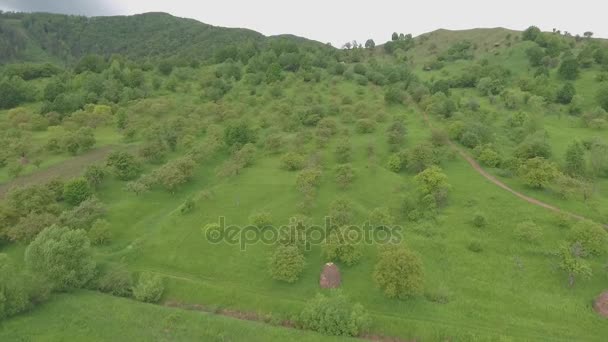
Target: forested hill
<point x="41" y="37"/>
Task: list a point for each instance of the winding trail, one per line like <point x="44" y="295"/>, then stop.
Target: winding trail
<point x="475" y="165"/>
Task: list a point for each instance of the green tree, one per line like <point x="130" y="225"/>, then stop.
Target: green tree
<point x="76" y="191"/>
<point x="238" y="134"/>
<point x="124" y="165"/>
<point x="149" y="288"/>
<point x="433" y="182"/>
<point x="341" y="212"/>
<point x="399" y="272"/>
<point x="343" y="151"/>
<point x="538" y="172"/>
<point x="591" y="237"/>
<point x="340" y="245"/>
<point x="573" y="265"/>
<point x="575" y="159"/>
<point x="566" y="94"/>
<point x="344" y="175"/>
<point x="531" y="33"/>
<point x="370" y="44"/>
<point x="335" y="315"/>
<point x="602" y="97"/>
<point x="62" y="256"/>
<point x="286" y="264"/>
<point x="13" y="295"/>
<point x="569" y="69"/>
<point x="95" y="174"/>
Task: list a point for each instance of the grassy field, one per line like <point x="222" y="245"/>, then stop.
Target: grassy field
<point x="95" y="317"/>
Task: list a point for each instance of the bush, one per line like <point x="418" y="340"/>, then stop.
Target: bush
<point x="286" y="264"/>
<point x="82" y="216"/>
<point x="591" y="237"/>
<point x="115" y="280"/>
<point x="475" y="247"/>
<point x="334" y="315"/>
<point x="395" y="163"/>
<point x="100" y="232"/>
<point x="480" y="220"/>
<point x="365" y="126"/>
<point x="149" y="288"/>
<point x="399" y="272"/>
<point x="76" y="191"/>
<point x="124" y="165"/>
<point x="341" y="212"/>
<point x="528" y="231"/>
<point x="292" y="161"/>
<point x="344" y="175"/>
<point x="261" y="219"/>
<point x="339" y="246"/>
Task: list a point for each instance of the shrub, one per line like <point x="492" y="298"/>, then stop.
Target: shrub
<point x="82" y="216"/>
<point x="124" y="165"/>
<point x="592" y="238"/>
<point x="76" y="191"/>
<point x="115" y="280"/>
<point x="100" y="233"/>
<point x="341" y="212"/>
<point x="149" y="288"/>
<point x="344" y="175"/>
<point x="365" y="126"/>
<point x="475" y="247"/>
<point x="528" y="231"/>
<point x="343" y="151"/>
<point x="480" y="220"/>
<point x="395" y="163"/>
<point x="292" y="161"/>
<point x="261" y="219"/>
<point x="287" y="263"/>
<point x="334" y="315"/>
<point x="340" y="246"/>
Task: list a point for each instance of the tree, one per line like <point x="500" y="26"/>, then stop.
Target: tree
<point x="573" y="265"/>
<point x="292" y="161"/>
<point x="63" y="256"/>
<point x="13" y="92"/>
<point x="381" y="218"/>
<point x="174" y="173"/>
<point x="149" y="288"/>
<point x="588" y="34"/>
<point x="393" y="95"/>
<point x="575" y="159"/>
<point x="538" y="172"/>
<point x="591" y="237"/>
<point x="566" y="94"/>
<point x="344" y="175"/>
<point x="340" y="245"/>
<point x="531" y="33"/>
<point x="341" y="212"/>
<point x="335" y="315"/>
<point x="568" y="69"/>
<point x="13" y="296"/>
<point x="370" y="44"/>
<point x="76" y="191"/>
<point x="84" y="215"/>
<point x="602" y="97"/>
<point x="287" y="263"/>
<point x="95" y="174"/>
<point x="535" y="55"/>
<point x="399" y="272"/>
<point x="343" y="151"/>
<point x="433" y="182"/>
<point x="421" y="157"/>
<point x="124" y="165"/>
<point x="395" y="36"/>
<point x="238" y="134"/>
<point x="100" y="233"/>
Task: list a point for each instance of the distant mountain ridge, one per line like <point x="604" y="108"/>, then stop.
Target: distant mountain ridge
<point x="38" y="37"/>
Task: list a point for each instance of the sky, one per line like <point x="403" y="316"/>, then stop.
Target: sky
<point x="339" y="21"/>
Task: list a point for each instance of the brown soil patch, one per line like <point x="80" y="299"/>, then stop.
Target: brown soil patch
<point x="601" y="304"/>
<point x="330" y="276"/>
<point x="67" y="169"/>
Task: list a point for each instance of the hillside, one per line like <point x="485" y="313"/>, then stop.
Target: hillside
<point x="458" y="180"/>
<point x="67" y="38"/>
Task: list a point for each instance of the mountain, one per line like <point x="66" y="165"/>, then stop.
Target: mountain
<point x="40" y="37"/>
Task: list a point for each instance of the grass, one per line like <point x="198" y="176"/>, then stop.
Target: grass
<point x="95" y="317"/>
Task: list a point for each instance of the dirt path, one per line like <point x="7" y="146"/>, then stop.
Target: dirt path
<point x="475" y="165"/>
<point x="69" y="168"/>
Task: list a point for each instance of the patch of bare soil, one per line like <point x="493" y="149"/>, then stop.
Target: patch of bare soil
<point x="67" y="169"/>
<point x="601" y="304"/>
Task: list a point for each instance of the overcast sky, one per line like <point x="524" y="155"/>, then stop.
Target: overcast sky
<point x="338" y="21"/>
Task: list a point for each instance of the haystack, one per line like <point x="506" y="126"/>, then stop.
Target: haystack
<point x="601" y="304"/>
<point x="330" y="276"/>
